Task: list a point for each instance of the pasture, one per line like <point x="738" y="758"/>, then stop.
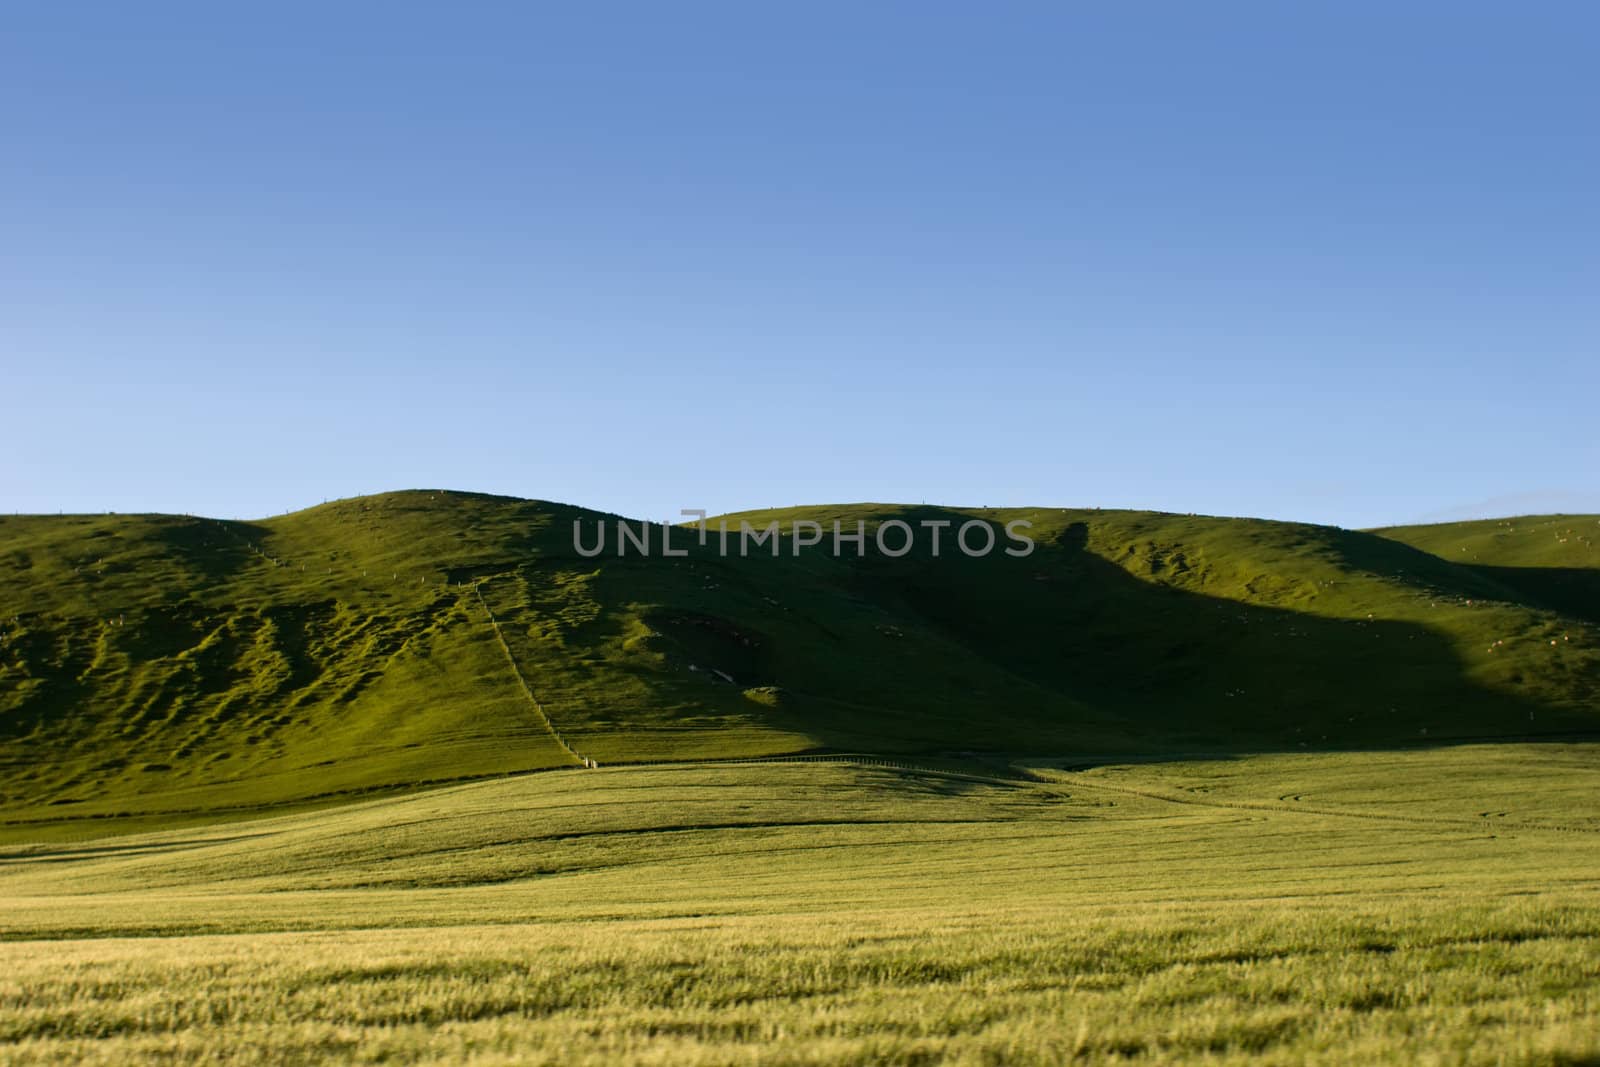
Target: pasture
<point x="1426" y="906"/>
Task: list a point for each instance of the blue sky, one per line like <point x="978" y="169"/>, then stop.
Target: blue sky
<point x="1332" y="262"/>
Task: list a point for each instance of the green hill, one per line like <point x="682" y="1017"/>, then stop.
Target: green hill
<point x="1549" y="560"/>
<point x="156" y="665"/>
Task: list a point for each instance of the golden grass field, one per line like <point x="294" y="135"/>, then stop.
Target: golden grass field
<point x="1432" y="906"/>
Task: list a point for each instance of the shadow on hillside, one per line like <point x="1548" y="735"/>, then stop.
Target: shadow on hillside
<point x="214" y="548"/>
<point x="1570" y="591"/>
<point x="1062" y="648"/>
<point x="1182" y="669"/>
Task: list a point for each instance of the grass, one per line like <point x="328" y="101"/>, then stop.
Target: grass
<point x="1546" y="559"/>
<point x="1171" y="789"/>
<point x="1431" y="906"/>
<point x="166" y="669"/>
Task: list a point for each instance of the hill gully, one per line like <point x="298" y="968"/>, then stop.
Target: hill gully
<point x="892" y="537"/>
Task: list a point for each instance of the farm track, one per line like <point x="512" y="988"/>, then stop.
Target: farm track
<point x="522" y="682"/>
<point x="1018" y="778"/>
<point x="1435" y="821"/>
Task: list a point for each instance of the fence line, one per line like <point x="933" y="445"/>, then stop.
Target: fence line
<point x="544" y="717"/>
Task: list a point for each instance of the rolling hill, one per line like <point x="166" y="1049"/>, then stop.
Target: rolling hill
<point x="154" y="666"/>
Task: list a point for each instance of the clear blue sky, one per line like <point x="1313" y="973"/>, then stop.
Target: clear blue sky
<point x="1336" y="262"/>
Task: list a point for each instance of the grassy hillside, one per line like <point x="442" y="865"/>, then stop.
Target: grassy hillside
<point x="1551" y="560"/>
<point x="159" y="665"/>
<point x="1297" y="908"/>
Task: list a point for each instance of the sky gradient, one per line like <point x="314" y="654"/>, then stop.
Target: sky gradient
<point x="1335" y="263"/>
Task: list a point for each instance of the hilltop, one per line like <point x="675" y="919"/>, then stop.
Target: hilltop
<point x="153" y="665"/>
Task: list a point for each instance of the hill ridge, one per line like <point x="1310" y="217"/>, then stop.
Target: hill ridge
<point x="162" y="662"/>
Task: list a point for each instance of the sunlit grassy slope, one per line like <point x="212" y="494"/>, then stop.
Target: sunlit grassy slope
<point x="161" y="665"/>
<point x="1551" y="560"/>
<point x="1429" y="906"/>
